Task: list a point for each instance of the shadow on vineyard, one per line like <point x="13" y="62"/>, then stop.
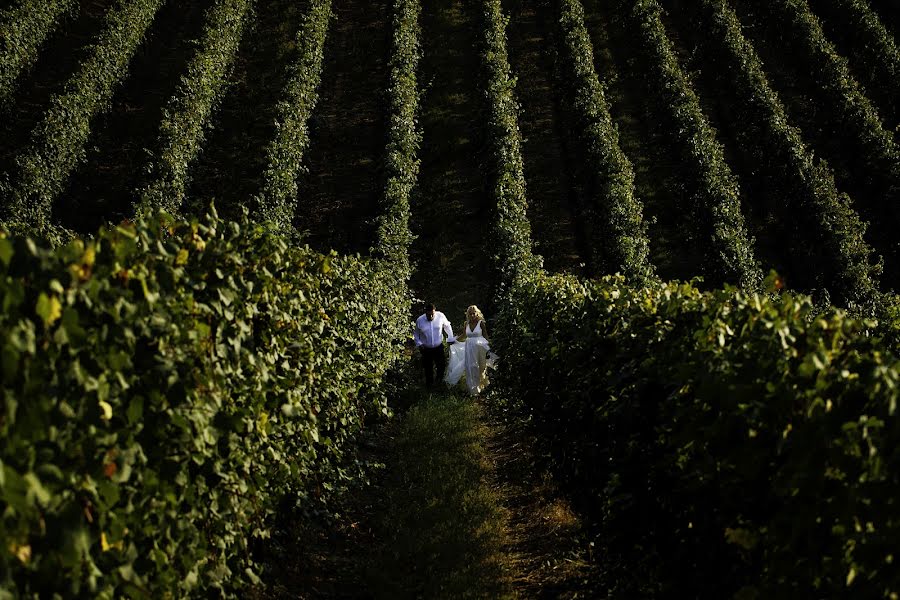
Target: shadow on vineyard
<point x="655" y="166"/>
<point x="58" y="61"/>
<point x="339" y="188"/>
<point x="103" y="189"/>
<point x="551" y="161"/>
<point x="234" y="157"/>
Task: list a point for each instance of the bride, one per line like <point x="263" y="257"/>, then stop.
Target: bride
<point x="471" y="356"/>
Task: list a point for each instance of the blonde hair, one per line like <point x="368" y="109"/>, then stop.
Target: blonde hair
<point x="478" y="314"/>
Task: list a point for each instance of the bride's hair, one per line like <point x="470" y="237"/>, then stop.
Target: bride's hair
<point x="478" y="314"/>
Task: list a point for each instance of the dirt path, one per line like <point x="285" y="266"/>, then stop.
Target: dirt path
<point x="338" y="196"/>
<point x="550" y="181"/>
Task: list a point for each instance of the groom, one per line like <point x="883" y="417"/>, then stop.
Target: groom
<point x="429" y="337"/>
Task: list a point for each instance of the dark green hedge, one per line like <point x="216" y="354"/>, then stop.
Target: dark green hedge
<point x="164" y="386"/>
<point x="726" y="441"/>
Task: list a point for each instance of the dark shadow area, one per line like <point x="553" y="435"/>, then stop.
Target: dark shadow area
<point x="451" y="209"/>
<point x="338" y="197"/>
<point x="103" y="188"/>
<point x="60" y="56"/>
<point x="553" y="194"/>
<point x="230" y="168"/>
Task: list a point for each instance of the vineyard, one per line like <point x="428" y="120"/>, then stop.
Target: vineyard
<point x="219" y="219"/>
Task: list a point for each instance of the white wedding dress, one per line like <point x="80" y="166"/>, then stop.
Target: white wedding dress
<point x="470" y="359"/>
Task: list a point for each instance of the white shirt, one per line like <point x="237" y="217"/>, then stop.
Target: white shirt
<point x="428" y="333"/>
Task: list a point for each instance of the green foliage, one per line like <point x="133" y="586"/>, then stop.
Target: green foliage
<point x="25" y="28"/>
<point x="733" y="440"/>
<point x="710" y="184"/>
<point x="188" y="113"/>
<point x="619" y="232"/>
<point x="823" y="235"/>
<point x="285" y="153"/>
<point x="875" y="48"/>
<point x="58" y="142"/>
<point x="164" y="387"/>
<point x="512" y="232"/>
<point x="843" y="101"/>
<point x="401" y="163"/>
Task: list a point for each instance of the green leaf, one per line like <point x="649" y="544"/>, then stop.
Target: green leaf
<point x="48" y="308"/>
<point x="6" y="251"/>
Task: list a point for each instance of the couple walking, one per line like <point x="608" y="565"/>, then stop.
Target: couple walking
<point x="469" y="356"/>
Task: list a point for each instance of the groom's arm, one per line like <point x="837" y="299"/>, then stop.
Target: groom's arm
<point x="417" y="336"/>
<point x="448" y="329"/>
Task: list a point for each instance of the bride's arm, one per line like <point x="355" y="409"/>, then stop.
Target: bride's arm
<point x="462" y="337"/>
<point x="484" y="330"/>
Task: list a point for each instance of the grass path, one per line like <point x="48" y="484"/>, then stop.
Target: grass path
<point x="459" y="505"/>
<point x="442" y="526"/>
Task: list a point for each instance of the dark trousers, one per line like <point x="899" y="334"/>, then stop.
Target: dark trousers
<point x="434" y="360"/>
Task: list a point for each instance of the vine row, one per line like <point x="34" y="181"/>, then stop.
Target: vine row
<point x="25" y="28"/>
<point x="278" y="199"/>
<point x="712" y="186"/>
<point x="402" y="162"/>
<point x="846" y="100"/>
<point x="876" y="48"/>
<point x="58" y="142"/>
<point x="190" y="109"/>
<point x="823" y="222"/>
<point x="512" y="246"/>
<point x="619" y="232"/>
<point x="169" y="387"/>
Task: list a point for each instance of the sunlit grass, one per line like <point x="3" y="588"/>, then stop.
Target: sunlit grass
<point x="442" y="529"/>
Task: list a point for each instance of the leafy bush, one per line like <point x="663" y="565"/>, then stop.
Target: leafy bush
<point x="164" y="386"/>
<point x="728" y="441"/>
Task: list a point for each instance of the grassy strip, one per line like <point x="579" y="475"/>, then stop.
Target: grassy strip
<point x="25" y="28"/>
<point x="512" y="231"/>
<point x="619" y="232"/>
<point x="823" y="223"/>
<point x="711" y="185"/>
<point x="167" y="387"/>
<point x="442" y="527"/>
<point x="58" y="142"/>
<point x="876" y="49"/>
<point x="189" y="111"/>
<point x="277" y="201"/>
